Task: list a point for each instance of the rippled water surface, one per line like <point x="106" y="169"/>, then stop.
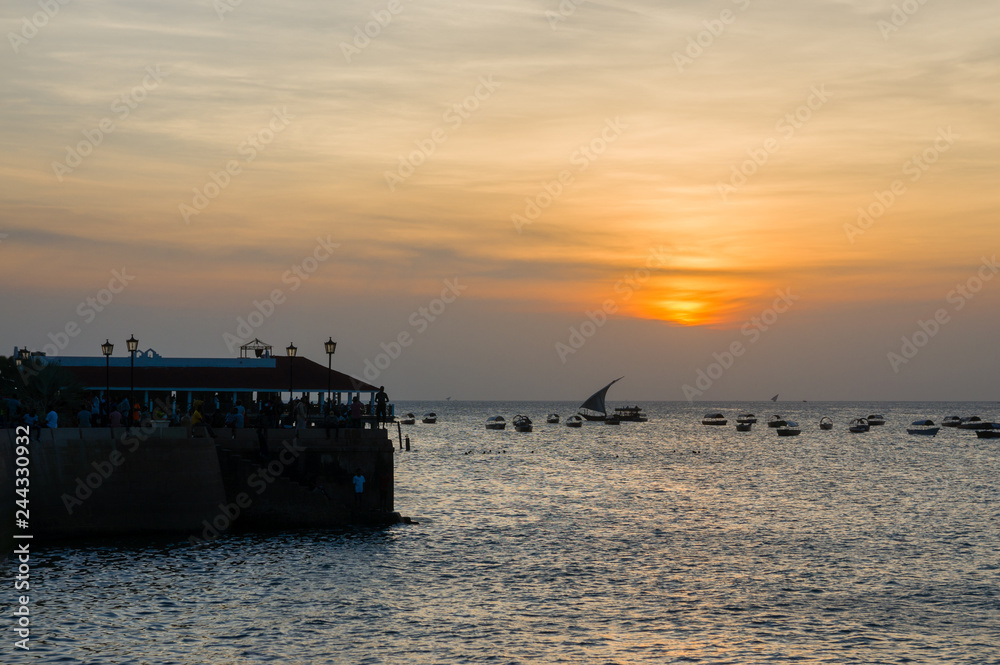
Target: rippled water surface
<point x="657" y="542"/>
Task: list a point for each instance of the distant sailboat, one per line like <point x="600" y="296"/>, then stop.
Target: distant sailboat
<point x="774" y="399"/>
<point x="593" y="408"/>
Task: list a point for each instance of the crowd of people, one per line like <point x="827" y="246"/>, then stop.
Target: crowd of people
<point x="205" y="415"/>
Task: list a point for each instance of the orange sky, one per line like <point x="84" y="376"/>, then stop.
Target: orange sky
<point x="547" y="162"/>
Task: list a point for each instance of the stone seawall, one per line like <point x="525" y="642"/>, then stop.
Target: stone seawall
<point x="86" y="482"/>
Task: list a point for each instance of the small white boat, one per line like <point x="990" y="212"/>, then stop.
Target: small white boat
<point x="574" y="421"/>
<point x="522" y="423"/>
<point x="746" y="418"/>
<point x="430" y="418"/>
<point x="924" y="427"/>
<point x="408" y="419"/>
<point x="775" y="421"/>
<point x="826" y="422"/>
<point x="875" y="419"/>
<point x="496" y="422"/>
<point x="714" y="419"/>
<point x="552" y="418"/>
<point x="790" y="428"/>
<point x="859" y="425"/>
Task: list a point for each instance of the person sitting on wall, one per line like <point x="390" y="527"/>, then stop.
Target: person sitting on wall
<point x="231" y="421"/>
<point x="52" y="419"/>
<point x="115" y="419"/>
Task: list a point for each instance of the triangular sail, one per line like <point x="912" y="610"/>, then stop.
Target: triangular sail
<point x="774" y="399"/>
<point x="595" y="403"/>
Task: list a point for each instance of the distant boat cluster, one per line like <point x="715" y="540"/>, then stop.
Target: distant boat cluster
<point x="925" y="427"/>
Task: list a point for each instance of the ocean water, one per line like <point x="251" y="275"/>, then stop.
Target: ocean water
<point x="658" y="542"/>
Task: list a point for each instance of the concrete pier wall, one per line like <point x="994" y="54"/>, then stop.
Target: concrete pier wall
<point x="84" y="482"/>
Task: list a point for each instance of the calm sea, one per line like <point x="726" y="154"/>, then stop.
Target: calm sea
<point x="657" y="542"/>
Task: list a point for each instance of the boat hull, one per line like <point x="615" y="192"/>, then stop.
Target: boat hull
<point x="988" y="433"/>
<point x="930" y="431"/>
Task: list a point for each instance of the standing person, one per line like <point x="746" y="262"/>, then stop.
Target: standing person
<point x="301" y="414"/>
<point x="52" y="419"/>
<point x="83" y="417"/>
<point x="359" y="486"/>
<point x="381" y="400"/>
<point x="115" y="419"/>
<point x="198" y="420"/>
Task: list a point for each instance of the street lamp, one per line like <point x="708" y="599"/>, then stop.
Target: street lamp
<point x="107" y="349"/>
<point x="331" y="348"/>
<point x="133" y="346"/>
<point x="290" y="350"/>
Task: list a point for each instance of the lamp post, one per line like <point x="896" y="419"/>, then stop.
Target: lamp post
<point x="291" y="351"/>
<point x="107" y="349"/>
<point x="133" y="346"/>
<point x="331" y="348"/>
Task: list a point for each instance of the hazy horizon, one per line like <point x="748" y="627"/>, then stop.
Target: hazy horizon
<point x="514" y="201"/>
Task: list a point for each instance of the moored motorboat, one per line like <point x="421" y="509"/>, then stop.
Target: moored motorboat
<point x="714" y="419"/>
<point x="522" y="423"/>
<point x="430" y="418"/>
<point x="496" y="422"/>
<point x="408" y="419"/>
<point x="974" y="422"/>
<point x="992" y="433"/>
<point x="951" y="421"/>
<point x="613" y="419"/>
<point x="826" y="422"/>
<point x="574" y="421"/>
<point x="552" y="418"/>
<point x="859" y="425"/>
<point x="746" y="418"/>
<point x="632" y="414"/>
<point x="743" y="427"/>
<point x="775" y="421"/>
<point x="875" y="419"/>
<point x="790" y="428"/>
<point x="924" y="427"/>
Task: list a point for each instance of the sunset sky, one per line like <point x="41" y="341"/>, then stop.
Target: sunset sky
<point x="538" y="197"/>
